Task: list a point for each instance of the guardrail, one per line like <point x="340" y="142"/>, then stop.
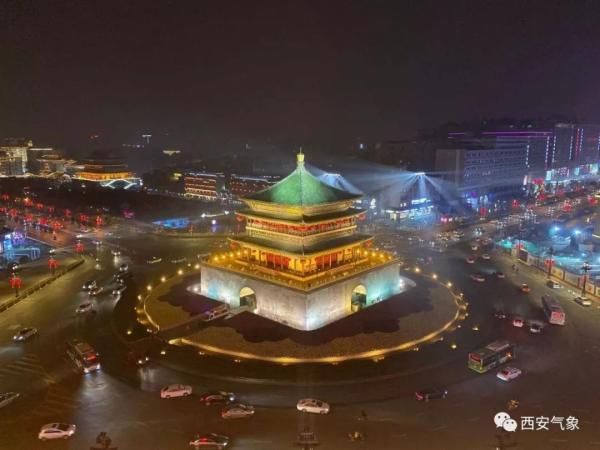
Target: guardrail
<point x="36" y="287"/>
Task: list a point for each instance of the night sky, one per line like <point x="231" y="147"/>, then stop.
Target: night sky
<point x="218" y="73"/>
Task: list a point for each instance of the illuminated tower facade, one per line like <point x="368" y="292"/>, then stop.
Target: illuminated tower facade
<point x="301" y="260"/>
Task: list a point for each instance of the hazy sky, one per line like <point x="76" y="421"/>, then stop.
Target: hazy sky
<point x="329" y="72"/>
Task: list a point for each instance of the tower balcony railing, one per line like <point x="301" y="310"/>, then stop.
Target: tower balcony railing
<point x="295" y="279"/>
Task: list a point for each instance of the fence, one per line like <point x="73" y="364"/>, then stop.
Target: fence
<point x="27" y="292"/>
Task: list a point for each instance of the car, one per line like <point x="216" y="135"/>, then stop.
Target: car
<point x="518" y="322"/>
<point x="52" y="251"/>
<point x="139" y="359"/>
<point x="535" y="327"/>
<point x="486" y="241"/>
<point x="470" y="260"/>
<point x="175" y="390"/>
<point x="97" y="242"/>
<point x="85" y="230"/>
<point x="525" y="288"/>
<point x="474" y="247"/>
<point x="123" y="267"/>
<point x="209" y="398"/>
<point x="154" y="260"/>
<point x="118" y="291"/>
<point x="56" y="431"/>
<point x="583" y="301"/>
<point x="212" y="441"/>
<point x="122" y="276"/>
<point x="25" y="333"/>
<point x="237" y="410"/>
<point x="84" y="308"/>
<point x="486" y="256"/>
<point x="178" y="260"/>
<point x="424" y="395"/>
<point x="312" y="405"/>
<point x="97" y="290"/>
<point x="79" y="236"/>
<point x="508" y="373"/>
<point x="116" y="252"/>
<point x="500" y="315"/>
<point x="478" y="277"/>
<point x="7" y="398"/>
<point x="89" y="285"/>
<point x="553" y="284"/>
<point x="499" y="274"/>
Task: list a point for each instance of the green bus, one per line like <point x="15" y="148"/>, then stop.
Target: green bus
<point x="491" y="356"/>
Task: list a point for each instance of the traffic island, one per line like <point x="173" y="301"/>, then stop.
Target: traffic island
<point x="404" y="322"/>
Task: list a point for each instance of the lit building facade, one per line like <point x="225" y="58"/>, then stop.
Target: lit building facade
<point x="240" y="186"/>
<point x="17" y="148"/>
<point x="301" y="261"/>
<point x="108" y="172"/>
<point x="203" y="185"/>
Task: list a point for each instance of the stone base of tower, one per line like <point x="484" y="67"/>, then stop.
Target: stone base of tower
<point x="303" y="310"/>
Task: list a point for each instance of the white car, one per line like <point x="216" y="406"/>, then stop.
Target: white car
<point x="25" y="333"/>
<point x="84" y="308"/>
<point x="553" y="284"/>
<point x="7" y="398"/>
<point x="583" y="301"/>
<point x="179" y="260"/>
<point x="154" y="260"/>
<point x="312" y="405"/>
<point x="237" y="410"/>
<point x="535" y="327"/>
<point x="118" y="291"/>
<point x="474" y="247"/>
<point x="123" y="267"/>
<point x="478" y="277"/>
<point x="509" y="373"/>
<point x="56" y="431"/>
<point x="470" y="260"/>
<point x="175" y="390"/>
<point x="486" y="256"/>
<point x="116" y="252"/>
<point x="518" y="322"/>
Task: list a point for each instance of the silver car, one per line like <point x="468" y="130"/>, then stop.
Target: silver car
<point x="25" y="333"/>
<point x="7" y="398"/>
<point x="237" y="410"/>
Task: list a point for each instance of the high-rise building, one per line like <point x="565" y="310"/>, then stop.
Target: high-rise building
<point x="17" y="148"/>
<point x="10" y="166"/>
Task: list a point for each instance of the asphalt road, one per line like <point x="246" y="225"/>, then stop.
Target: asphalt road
<point x="560" y="368"/>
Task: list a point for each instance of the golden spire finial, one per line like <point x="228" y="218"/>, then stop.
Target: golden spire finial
<point x="300" y="157"/>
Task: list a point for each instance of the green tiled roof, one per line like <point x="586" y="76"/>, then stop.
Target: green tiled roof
<point x="301" y="188"/>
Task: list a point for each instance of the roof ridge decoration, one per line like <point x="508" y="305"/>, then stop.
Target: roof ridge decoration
<point x="301" y="188"/>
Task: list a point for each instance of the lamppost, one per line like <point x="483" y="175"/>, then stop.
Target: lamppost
<point x="550" y="261"/>
<point x="586" y="268"/>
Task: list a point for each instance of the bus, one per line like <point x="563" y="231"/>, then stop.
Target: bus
<point x="83" y="355"/>
<point x="553" y="311"/>
<point x="491" y="356"/>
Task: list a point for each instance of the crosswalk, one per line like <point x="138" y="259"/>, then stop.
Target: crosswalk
<point x="28" y="365"/>
<point x="57" y="400"/>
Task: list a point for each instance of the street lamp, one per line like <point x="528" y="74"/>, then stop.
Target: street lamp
<point x="586" y="268"/>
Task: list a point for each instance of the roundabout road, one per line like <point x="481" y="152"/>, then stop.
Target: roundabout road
<point x="559" y="365"/>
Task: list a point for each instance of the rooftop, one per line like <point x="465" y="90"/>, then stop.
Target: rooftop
<point x="301" y="188"/>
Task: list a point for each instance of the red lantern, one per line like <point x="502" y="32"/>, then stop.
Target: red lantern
<point x="79" y="247"/>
